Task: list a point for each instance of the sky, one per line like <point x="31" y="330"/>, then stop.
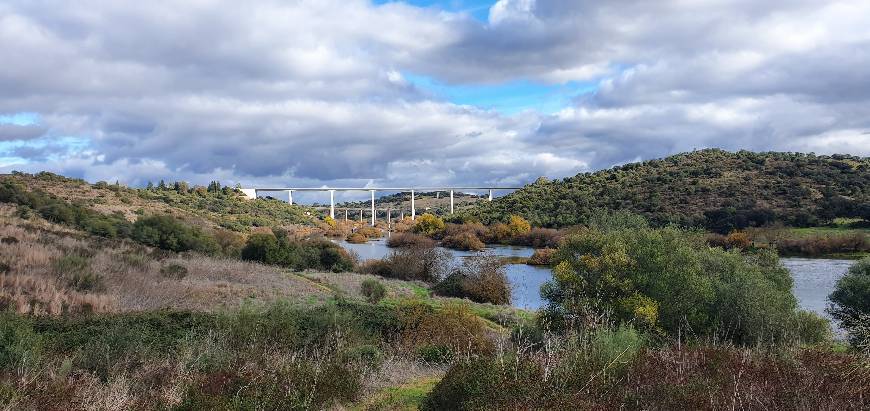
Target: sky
<point x="425" y="92"/>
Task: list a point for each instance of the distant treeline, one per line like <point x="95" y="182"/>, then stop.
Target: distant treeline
<point x="714" y="189"/>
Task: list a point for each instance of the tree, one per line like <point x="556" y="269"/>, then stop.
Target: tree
<point x="850" y="301"/>
<point x="162" y="185"/>
<point x="428" y="224"/>
<point x="519" y="226"/>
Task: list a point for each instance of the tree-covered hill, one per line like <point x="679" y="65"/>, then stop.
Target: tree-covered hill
<point x="716" y="189"/>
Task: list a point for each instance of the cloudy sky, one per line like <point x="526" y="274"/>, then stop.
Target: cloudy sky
<point x="425" y="92"/>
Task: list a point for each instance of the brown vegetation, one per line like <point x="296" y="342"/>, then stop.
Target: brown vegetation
<point x="131" y="277"/>
<point x="409" y="240"/>
<point x="542" y="256"/>
<point x="465" y="241"/>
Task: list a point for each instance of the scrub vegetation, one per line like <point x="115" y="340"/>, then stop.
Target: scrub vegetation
<point x="169" y="309"/>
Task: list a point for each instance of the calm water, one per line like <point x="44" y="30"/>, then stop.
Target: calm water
<point x="814" y="279"/>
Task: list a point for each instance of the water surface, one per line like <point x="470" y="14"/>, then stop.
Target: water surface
<point x="814" y="279"/>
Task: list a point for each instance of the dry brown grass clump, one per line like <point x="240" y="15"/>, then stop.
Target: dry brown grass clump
<point x="407" y="239"/>
<point x="465" y="241"/>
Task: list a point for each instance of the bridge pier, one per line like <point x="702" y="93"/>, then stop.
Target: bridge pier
<point x="332" y="204"/>
<point x="490" y="195"/>
<point x="290" y="197"/>
<point x="345" y="215"/>
<point x="374" y="212"/>
<point x="413" y="210"/>
<point x="451" y="201"/>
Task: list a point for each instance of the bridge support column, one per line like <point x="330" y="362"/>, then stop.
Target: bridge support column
<point x="345" y="215"/>
<point x="490" y="195"/>
<point x="332" y="204"/>
<point x="413" y="210"/>
<point x="360" y="215"/>
<point x="389" y="217"/>
<point x="402" y="216"/>
<point x="451" y="201"/>
<point x="290" y="197"/>
<point x="374" y="212"/>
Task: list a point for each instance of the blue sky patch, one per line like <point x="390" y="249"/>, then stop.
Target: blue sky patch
<point x="507" y="98"/>
<point x="20" y="119"/>
<point x="479" y="9"/>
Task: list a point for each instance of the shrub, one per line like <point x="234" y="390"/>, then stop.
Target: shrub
<point x="738" y="239"/>
<point x="373" y="291"/>
<point x="411" y="264"/>
<point x="356" y="238"/>
<point x="169" y="233"/>
<point x="174" y="271"/>
<point x="409" y="240"/>
<point x="428" y="224"/>
<point x="542" y="256"/>
<point x="480" y="279"/>
<point x="499" y="233"/>
<point x="850" y="300"/>
<point x="542" y="238"/>
<point x="297" y="254"/>
<point x="370" y="232"/>
<point x="464" y="241"/>
<point x="518" y="226"/>
<point x="9" y="240"/>
<point x="744" y="298"/>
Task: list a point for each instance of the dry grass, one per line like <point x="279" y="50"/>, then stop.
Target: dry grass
<point x="130" y="275"/>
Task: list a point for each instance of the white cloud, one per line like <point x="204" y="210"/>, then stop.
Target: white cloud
<point x="312" y="92"/>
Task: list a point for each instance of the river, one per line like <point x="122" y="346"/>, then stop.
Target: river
<point x="814" y="279"/>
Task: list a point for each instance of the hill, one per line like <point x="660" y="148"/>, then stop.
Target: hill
<point x="712" y="188"/>
<point x="213" y="206"/>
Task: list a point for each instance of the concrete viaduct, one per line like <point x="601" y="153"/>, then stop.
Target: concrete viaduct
<point x="252" y="193"/>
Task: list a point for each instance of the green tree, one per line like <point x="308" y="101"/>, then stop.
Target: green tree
<point x="850" y="301"/>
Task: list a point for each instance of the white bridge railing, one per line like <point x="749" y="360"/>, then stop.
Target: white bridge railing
<point x="252" y="193"/>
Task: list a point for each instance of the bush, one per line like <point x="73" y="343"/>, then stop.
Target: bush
<point x="373" y="291"/>
<point x="370" y="232"/>
<point x="356" y="238"/>
<point x="169" y="233"/>
<point x="670" y="279"/>
<point x="480" y="279"/>
<point x="409" y="240"/>
<point x="542" y="256"/>
<point x="278" y="249"/>
<point x="542" y="238"/>
<point x="464" y="241"/>
<point x="850" y="300"/>
<point x="428" y="224"/>
<point x="518" y="226"/>
<point x="411" y="264"/>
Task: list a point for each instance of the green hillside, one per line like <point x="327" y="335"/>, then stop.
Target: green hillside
<point x="716" y="189"/>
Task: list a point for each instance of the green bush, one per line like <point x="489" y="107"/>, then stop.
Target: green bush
<point x="850" y="300"/>
<point x="373" y="291"/>
<point x="435" y="354"/>
<point x="169" y="233"/>
<point x="278" y="249"/>
<point x="669" y="279"/>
